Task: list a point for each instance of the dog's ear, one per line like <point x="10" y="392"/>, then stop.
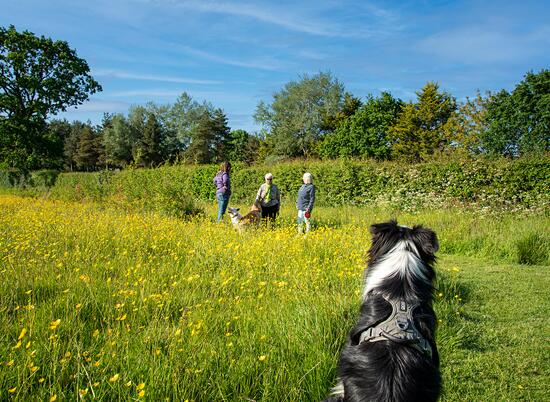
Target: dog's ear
<point x="380" y="229"/>
<point x="426" y="239"/>
<point x="383" y="238"/>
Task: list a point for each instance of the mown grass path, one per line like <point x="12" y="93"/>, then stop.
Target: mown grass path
<point x="505" y="353"/>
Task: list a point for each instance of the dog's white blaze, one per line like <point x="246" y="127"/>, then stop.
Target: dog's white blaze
<point x="338" y="389"/>
<point x="398" y="261"/>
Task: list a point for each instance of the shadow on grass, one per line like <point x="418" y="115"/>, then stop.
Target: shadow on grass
<point x="458" y="328"/>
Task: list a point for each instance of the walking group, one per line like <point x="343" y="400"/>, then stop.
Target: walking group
<point x="268" y="198"/>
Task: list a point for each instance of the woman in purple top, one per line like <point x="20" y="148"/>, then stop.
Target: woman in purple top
<point x="223" y="188"/>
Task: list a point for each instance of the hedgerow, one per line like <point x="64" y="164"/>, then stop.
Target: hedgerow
<point x="502" y="183"/>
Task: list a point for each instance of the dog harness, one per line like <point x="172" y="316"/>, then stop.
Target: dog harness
<point x="398" y="327"/>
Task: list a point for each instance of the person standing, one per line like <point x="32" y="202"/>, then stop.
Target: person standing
<point x="306" y="199"/>
<point x="269" y="198"/>
<point x="223" y="188"/>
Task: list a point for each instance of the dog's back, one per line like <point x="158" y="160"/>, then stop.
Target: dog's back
<point x="387" y="360"/>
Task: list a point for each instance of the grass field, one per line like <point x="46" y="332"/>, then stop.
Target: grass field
<point x="113" y="305"/>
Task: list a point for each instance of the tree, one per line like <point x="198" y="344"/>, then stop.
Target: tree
<point x="243" y="147"/>
<point x="350" y="105"/>
<point x="519" y="122"/>
<point x="467" y="126"/>
<point x="118" y="140"/>
<point x="364" y="134"/>
<point x="147" y="151"/>
<point x="297" y="117"/>
<point x="180" y="120"/>
<point x="209" y="138"/>
<point x="57" y="133"/>
<point x="87" y="153"/>
<point x="221" y="135"/>
<point x="421" y="128"/>
<point x="39" y="77"/>
<point x="531" y="99"/>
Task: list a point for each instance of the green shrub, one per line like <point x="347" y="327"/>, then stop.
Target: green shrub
<point x="502" y="184"/>
<point x="10" y="178"/>
<point x="44" y="178"/>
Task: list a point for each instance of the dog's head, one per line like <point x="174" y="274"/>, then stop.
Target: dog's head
<point x="233" y="212"/>
<point x="385" y="237"/>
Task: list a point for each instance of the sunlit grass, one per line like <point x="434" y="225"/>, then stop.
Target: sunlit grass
<point x="96" y="303"/>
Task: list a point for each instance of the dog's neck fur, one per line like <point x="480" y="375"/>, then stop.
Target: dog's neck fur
<point x="402" y="260"/>
<point x="236" y="217"/>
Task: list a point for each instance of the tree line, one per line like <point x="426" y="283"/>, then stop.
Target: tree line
<point x="312" y="116"/>
<point x="186" y="131"/>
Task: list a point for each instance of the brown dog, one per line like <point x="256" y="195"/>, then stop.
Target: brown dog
<point x="251" y="219"/>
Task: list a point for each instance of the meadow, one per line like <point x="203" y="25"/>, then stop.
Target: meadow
<point x="111" y="304"/>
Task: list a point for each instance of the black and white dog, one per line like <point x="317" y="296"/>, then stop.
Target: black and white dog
<point x="390" y="354"/>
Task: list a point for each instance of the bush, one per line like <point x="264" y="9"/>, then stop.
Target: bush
<point x="12" y="178"/>
<point x="504" y="184"/>
<point x="44" y="178"/>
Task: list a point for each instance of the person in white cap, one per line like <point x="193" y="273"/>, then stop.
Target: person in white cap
<point x="269" y="198"/>
<point x="306" y="199"/>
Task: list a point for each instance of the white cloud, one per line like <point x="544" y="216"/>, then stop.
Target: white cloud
<point x="380" y="20"/>
<point x="471" y="45"/>
<point x="147" y="77"/>
<point x="99" y="105"/>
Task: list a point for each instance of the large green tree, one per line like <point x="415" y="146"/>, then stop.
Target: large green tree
<point x="210" y="138"/>
<point x="148" y="149"/>
<point x="119" y="140"/>
<point x="87" y="149"/>
<point x="519" y="122"/>
<point x="421" y="128"/>
<point x="39" y="77"/>
<point x="364" y="134"/>
<point x="180" y="120"/>
<point x="297" y="118"/>
<point x="243" y="147"/>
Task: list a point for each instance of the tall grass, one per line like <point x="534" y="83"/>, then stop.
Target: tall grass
<point x="96" y="302"/>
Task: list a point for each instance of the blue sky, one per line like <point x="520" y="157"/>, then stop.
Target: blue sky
<point x="236" y="53"/>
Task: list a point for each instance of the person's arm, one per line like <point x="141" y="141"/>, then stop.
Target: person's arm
<point x="225" y="182"/>
<point x="259" y="195"/>
<point x="311" y="199"/>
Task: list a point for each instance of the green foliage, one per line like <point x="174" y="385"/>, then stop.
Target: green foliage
<point x="364" y="134"/>
<point x="119" y="140"/>
<point x="210" y="138"/>
<point x="179" y="120"/>
<point x="38" y="78"/>
<point x="350" y="105"/>
<point x="147" y="151"/>
<point x="504" y="184"/>
<point x="519" y="123"/>
<point x="421" y="127"/>
<point x="533" y="249"/>
<point x="297" y="117"/>
<point x="87" y="150"/>
<point x="44" y="178"/>
<point x="242" y="147"/>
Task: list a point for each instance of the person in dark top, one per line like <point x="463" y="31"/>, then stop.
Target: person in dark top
<point x="223" y="188"/>
<point x="304" y="204"/>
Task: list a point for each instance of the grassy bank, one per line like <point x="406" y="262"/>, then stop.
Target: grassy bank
<point x="103" y="303"/>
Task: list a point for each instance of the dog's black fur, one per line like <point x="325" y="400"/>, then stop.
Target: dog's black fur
<point x="385" y="370"/>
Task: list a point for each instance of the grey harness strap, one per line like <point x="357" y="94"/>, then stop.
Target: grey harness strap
<point x="398" y="327"/>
